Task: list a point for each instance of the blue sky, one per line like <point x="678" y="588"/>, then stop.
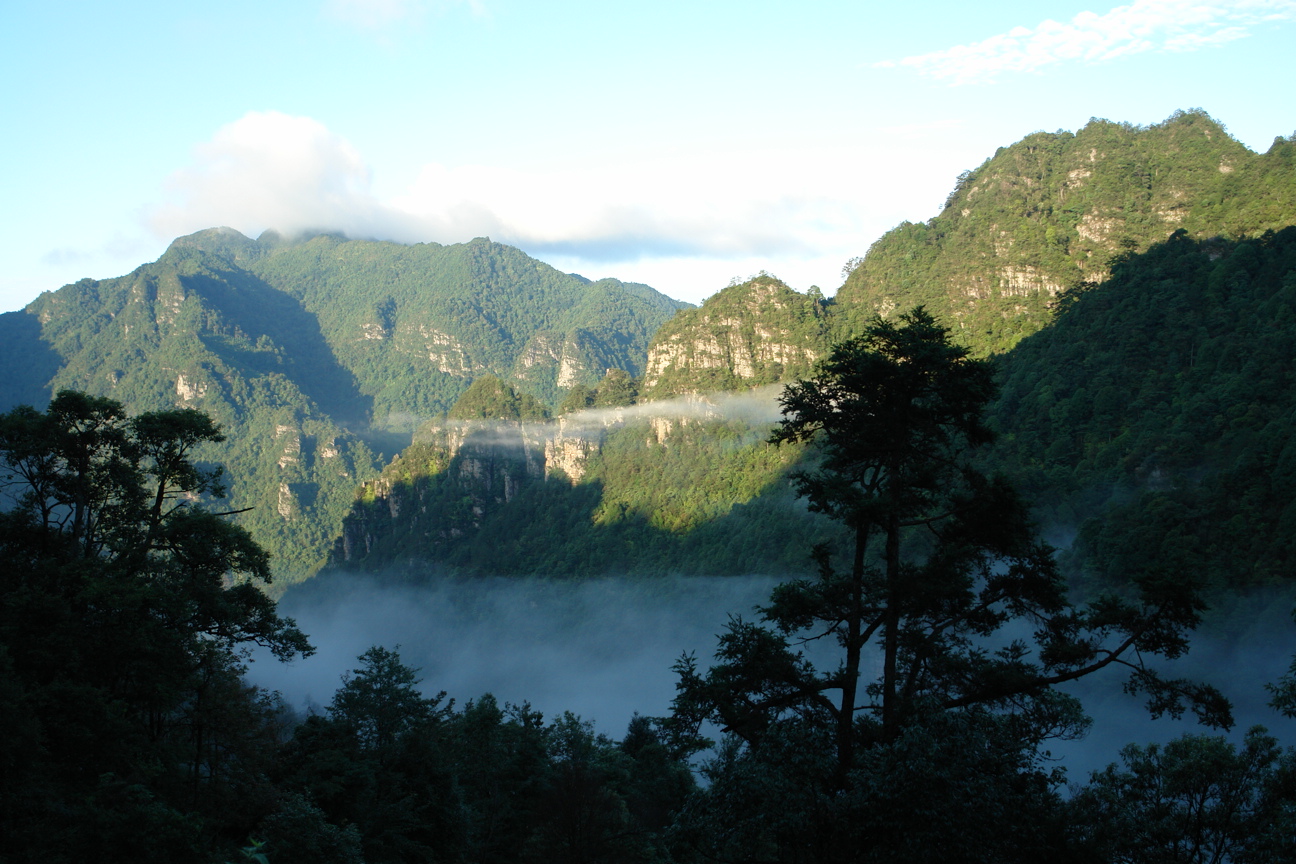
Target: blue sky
<point x="678" y="144"/>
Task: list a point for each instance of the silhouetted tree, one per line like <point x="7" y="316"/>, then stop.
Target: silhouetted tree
<point x="947" y="582"/>
<point x="126" y="607"/>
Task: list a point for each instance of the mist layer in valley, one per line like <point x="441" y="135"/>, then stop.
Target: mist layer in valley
<point x="603" y="649"/>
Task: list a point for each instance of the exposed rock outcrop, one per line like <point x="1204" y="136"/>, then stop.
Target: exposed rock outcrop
<point x="757" y="332"/>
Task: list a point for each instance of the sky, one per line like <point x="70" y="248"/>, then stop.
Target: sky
<point x="681" y="144"/>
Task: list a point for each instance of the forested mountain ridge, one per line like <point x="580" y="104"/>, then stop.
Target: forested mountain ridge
<point x="310" y="353"/>
<point x="1157" y="414"/>
<point x="683" y="486"/>
<point x="315" y="353"/>
<point x="196" y="330"/>
<point x="749" y="334"/>
<point x="1153" y="412"/>
<point x="1154" y="400"/>
<point x="1055" y="210"/>
<point x="415" y="324"/>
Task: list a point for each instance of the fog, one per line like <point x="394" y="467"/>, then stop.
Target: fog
<point x="603" y="649"/>
<point x="1239" y="651"/>
<point x="756" y="406"/>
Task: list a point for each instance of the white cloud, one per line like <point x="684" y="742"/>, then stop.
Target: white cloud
<point x="684" y="224"/>
<point x="272" y="170"/>
<point x="1145" y="25"/>
<point x="698" y="205"/>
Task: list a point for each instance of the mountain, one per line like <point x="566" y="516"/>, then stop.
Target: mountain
<point x="1156" y="416"/>
<point x="1151" y="406"/>
<point x="415" y="324"/>
<point x="1054" y="212"/>
<point x="1131" y="282"/>
<point x="749" y="334"/>
<point x="684" y="486"/>
<point x="316" y="355"/>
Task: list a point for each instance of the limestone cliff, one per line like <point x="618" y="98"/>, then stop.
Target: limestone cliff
<point x="1054" y="211"/>
<point x="456" y="472"/>
<point x="753" y="333"/>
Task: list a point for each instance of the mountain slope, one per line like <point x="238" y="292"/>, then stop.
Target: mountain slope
<point x="1055" y="210"/>
<point x="1154" y="400"/>
<point x="308" y="352"/>
<point x="1157" y="415"/>
<point x="747" y="335"/>
<point x="415" y="324"/>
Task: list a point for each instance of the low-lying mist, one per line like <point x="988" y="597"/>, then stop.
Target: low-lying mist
<point x="757" y="406"/>
<point x="603" y="649"/>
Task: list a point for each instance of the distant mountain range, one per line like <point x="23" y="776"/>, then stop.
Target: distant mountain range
<point x="318" y="355"/>
<point x="1138" y="258"/>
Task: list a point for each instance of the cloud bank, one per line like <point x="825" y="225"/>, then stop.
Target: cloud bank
<point x="269" y="170"/>
<point x="1143" y="26"/>
<point x="602" y="648"/>
<point x="272" y="170"/>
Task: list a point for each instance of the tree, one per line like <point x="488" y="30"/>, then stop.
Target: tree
<point x="126" y="610"/>
<point x="1196" y="799"/>
<point x="489" y="398"/>
<point x="380" y="701"/>
<point x="616" y="389"/>
<point x="946" y="581"/>
<point x="578" y="398"/>
<point x="378" y="763"/>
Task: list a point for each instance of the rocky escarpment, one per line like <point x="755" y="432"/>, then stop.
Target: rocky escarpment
<point x="753" y="333"/>
<point x="458" y="473"/>
<point x="454" y="474"/>
<point x="1054" y="211"/>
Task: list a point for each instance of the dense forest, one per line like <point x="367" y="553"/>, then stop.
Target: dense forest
<point x="319" y="356"/>
<point x="132" y="736"/>
<point x="1091" y="343"/>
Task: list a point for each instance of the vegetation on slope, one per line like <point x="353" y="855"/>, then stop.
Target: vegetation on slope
<point x="307" y="352"/>
<point x="415" y="324"/>
<point x="752" y="333"/>
<point x="1158" y="413"/>
<point x="706" y="497"/>
<point x="1053" y="212"/>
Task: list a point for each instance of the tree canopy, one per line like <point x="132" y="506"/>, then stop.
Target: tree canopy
<point x="949" y="596"/>
<point x="127" y="606"/>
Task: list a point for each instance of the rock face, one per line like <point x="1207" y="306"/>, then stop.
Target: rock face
<point x="345" y="344"/>
<point x="457" y="472"/>
<point x="754" y="333"/>
<point x="1054" y="211"/>
<point x="568" y="452"/>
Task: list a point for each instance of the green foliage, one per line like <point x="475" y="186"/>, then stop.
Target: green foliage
<point x="709" y="497"/>
<point x="578" y="398"/>
<point x="291" y="345"/>
<point x="750" y="334"/>
<point x="485" y="783"/>
<point x="1055" y="210"/>
<point x="489" y="398"/>
<point x="415" y="324"/>
<point x="615" y="390"/>
<point x="121" y="636"/>
<point x="959" y="788"/>
<point x="1197" y="798"/>
<point x="1155" y="414"/>
<point x="944" y="560"/>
